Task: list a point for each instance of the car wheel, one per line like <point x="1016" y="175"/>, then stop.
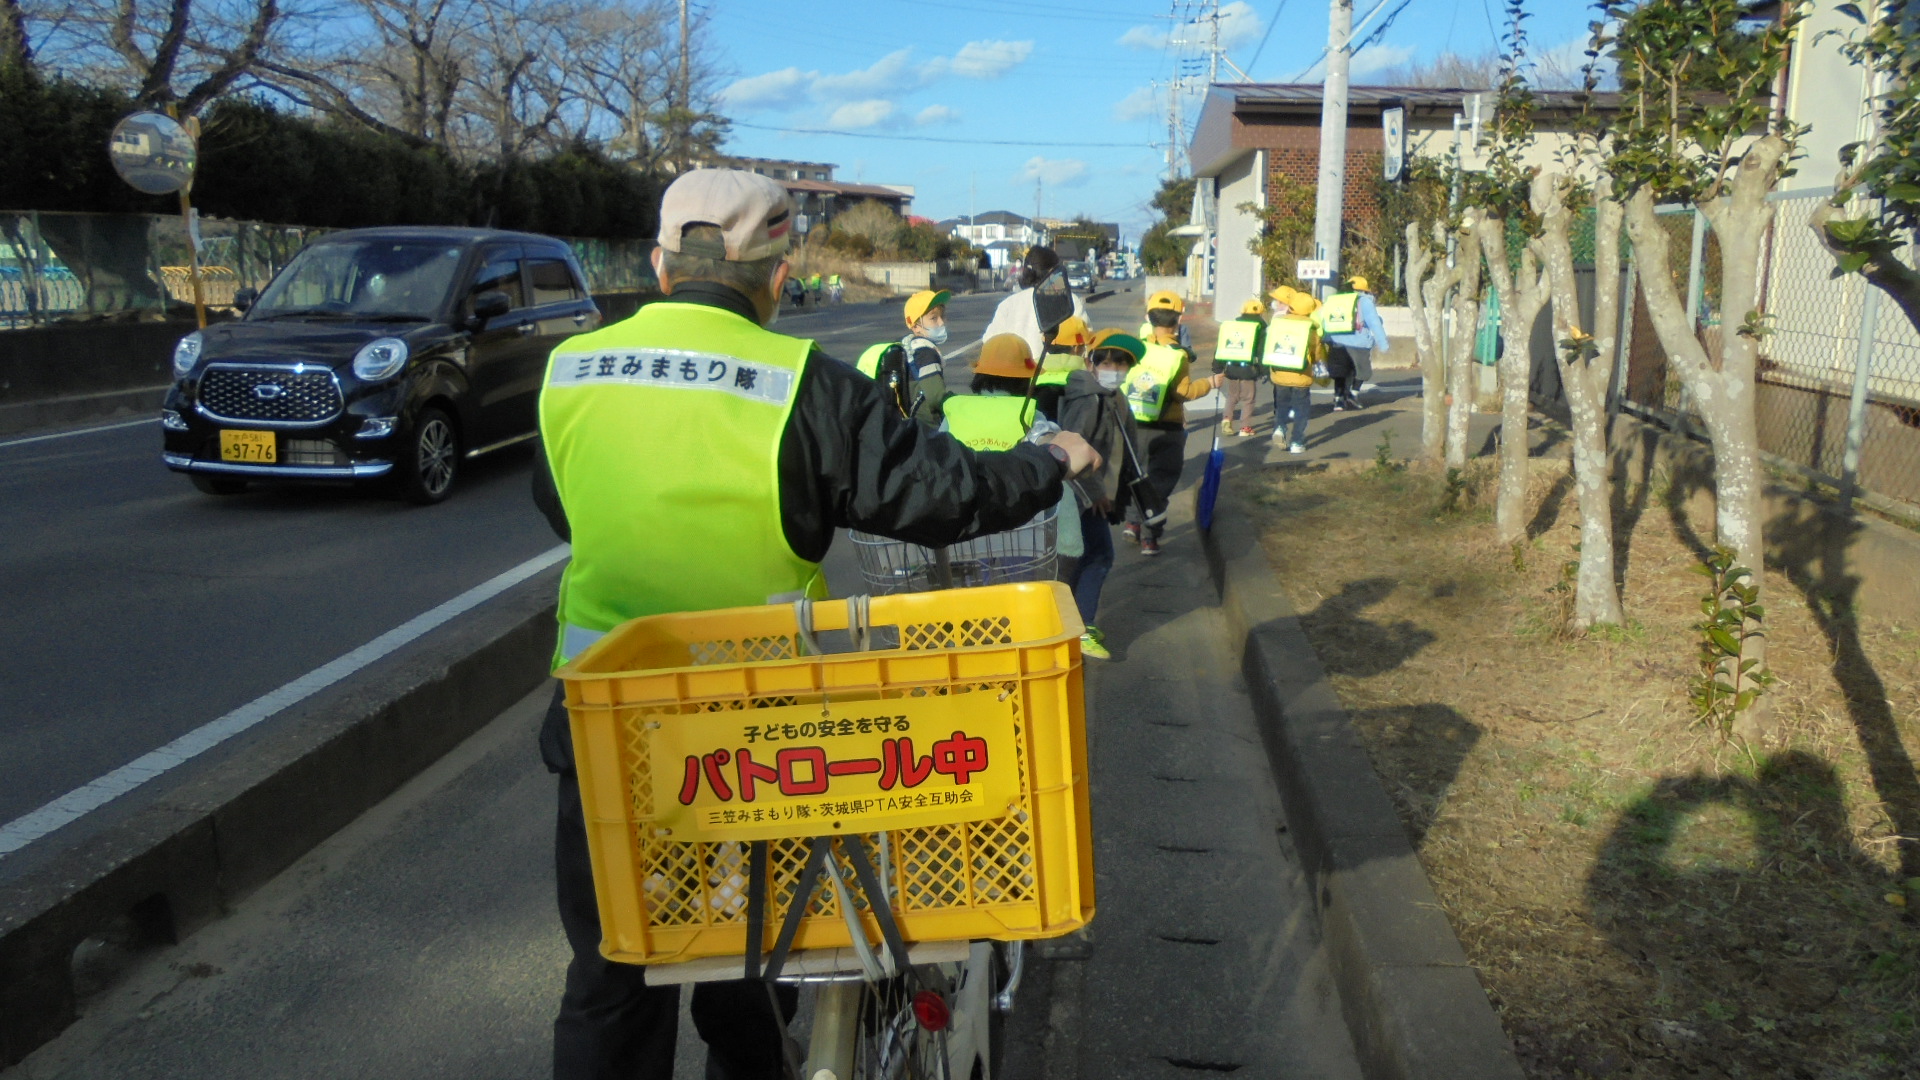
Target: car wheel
<point x="431" y="461"/>
<point x="218" y="485"/>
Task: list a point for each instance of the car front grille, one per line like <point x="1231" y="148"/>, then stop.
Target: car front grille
<point x="270" y="395"/>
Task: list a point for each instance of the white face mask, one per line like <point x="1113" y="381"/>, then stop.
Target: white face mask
<point x="935" y="334"/>
<point x="1109" y="378"/>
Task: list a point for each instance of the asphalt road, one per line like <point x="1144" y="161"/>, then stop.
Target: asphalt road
<point x="138" y="609"/>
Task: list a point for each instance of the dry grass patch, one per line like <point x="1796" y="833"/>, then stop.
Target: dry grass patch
<point x="1640" y="899"/>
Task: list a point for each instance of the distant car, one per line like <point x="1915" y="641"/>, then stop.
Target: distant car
<point x="1079" y="275"/>
<point x="387" y="355"/>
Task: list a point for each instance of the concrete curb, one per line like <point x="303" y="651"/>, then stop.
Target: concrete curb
<point x="176" y="858"/>
<point x="1413" y="1005"/>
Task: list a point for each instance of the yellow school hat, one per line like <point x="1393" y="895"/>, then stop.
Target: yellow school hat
<point x="921" y="302"/>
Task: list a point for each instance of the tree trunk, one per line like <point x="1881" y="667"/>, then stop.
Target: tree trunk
<point x="1466" y="315"/>
<point x="1724" y="392"/>
<point x="1579" y="356"/>
<point x="1421" y="277"/>
<point x="1520" y="302"/>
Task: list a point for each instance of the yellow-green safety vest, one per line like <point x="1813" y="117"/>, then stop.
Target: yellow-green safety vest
<point x="1146" y="330"/>
<point x="663" y="432"/>
<point x="869" y="362"/>
<point x="1339" y="313"/>
<point x="1235" y="344"/>
<point x="1290" y="343"/>
<point x="1055" y="367"/>
<point x="1151" y="379"/>
<point x="988" y="421"/>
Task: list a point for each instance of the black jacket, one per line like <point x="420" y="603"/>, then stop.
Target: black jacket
<point x="849" y="460"/>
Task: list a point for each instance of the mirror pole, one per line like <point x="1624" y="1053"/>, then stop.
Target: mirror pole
<point x="193" y="260"/>
<point x="186" y="222"/>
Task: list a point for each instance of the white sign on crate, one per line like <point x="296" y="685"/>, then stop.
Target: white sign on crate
<point x="1313" y="270"/>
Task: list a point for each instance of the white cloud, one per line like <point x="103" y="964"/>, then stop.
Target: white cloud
<point x="1239" y="25"/>
<point x="989" y="59"/>
<point x="1138" y="105"/>
<point x="1377" y="58"/>
<point x="775" y="89"/>
<point x="862" y="114"/>
<point x="936" y="114"/>
<point x="892" y="73"/>
<point x="1053" y="172"/>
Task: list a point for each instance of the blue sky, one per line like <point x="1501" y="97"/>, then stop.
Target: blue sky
<point x="1069" y="80"/>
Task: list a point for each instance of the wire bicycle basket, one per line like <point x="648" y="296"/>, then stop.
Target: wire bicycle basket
<point x="1026" y="553"/>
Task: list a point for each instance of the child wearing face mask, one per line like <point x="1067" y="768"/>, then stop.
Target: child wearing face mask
<point x="1092" y="406"/>
<point x="912" y="367"/>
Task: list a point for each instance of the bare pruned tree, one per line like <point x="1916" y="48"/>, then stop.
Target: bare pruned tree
<point x="166" y="53"/>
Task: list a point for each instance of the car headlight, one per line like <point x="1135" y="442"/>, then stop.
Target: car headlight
<point x="380" y="359"/>
<point x="186" y="354"/>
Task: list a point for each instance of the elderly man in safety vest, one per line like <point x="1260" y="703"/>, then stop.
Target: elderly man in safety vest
<point x="698" y="460"/>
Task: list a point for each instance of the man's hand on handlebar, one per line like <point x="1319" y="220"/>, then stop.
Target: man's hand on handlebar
<point x="1081" y="457"/>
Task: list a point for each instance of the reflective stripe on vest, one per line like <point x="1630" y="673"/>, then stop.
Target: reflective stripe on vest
<point x="1339" y="314"/>
<point x="988" y="421"/>
<point x="1235" y="344"/>
<point x="1289" y="343"/>
<point x="1055" y="367"/>
<point x="1150" y="380"/>
<point x="663" y="432"/>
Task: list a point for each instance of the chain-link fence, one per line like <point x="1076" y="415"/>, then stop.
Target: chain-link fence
<point x="63" y="267"/>
<point x="1838" y="395"/>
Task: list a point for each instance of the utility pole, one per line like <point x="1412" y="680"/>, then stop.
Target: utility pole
<point x="684" y="122"/>
<point x="1329" y="202"/>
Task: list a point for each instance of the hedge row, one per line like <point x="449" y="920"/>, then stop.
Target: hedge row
<point x="260" y="164"/>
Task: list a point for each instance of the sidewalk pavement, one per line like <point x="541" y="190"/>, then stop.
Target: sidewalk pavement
<point x="421" y="942"/>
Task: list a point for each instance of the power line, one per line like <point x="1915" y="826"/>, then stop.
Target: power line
<point x="1039" y="143"/>
<point x="1262" y="47"/>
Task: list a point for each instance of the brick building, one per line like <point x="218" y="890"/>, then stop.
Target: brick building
<point x="1250" y="133"/>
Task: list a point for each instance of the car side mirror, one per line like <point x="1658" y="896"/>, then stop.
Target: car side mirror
<point x="489" y="305"/>
<point x="244" y="298"/>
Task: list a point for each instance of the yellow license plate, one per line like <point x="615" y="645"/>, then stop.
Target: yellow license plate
<point x="250" y="446"/>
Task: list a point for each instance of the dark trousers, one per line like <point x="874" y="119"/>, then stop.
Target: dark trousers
<point x="1291" y="407"/>
<point x="1091" y="575"/>
<point x="1166" y="457"/>
<point x="612" y="1025"/>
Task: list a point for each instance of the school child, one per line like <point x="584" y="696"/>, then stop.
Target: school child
<point x="1066" y="353"/>
<point x="1092" y="407"/>
<point x="1156" y="390"/>
<point x="1000" y="413"/>
<point x="1293" y="346"/>
<point x="1236" y="354"/>
<point x="911" y="367"/>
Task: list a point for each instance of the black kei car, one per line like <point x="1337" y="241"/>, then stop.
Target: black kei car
<point x="377" y="355"/>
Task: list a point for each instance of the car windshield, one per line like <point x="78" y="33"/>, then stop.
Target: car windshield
<point x="363" y="279"/>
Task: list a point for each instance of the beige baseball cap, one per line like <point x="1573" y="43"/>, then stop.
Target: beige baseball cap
<point x="752" y="212"/>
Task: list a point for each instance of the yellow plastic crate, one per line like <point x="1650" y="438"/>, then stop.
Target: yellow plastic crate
<point x="972" y="851"/>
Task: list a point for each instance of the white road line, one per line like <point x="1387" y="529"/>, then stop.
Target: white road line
<point x="80" y="431"/>
<point x="82" y="800"/>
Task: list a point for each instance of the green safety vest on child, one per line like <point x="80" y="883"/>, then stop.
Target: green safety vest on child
<point x="1148" y="384"/>
<point x="704" y="531"/>
<point x="989" y="421"/>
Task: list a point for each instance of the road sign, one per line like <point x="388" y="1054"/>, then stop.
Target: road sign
<point x="1313" y="270"/>
<point x="1393" y="130"/>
